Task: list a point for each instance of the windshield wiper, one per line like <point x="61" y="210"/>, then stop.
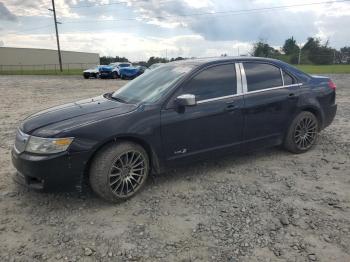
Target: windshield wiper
<point x="117" y="98"/>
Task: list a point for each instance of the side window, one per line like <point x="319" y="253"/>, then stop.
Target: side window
<point x="261" y="76"/>
<point x="213" y="82"/>
<point x="288" y="80"/>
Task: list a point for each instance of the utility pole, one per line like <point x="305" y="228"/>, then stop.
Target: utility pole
<point x="299" y="56"/>
<point x="57" y="37"/>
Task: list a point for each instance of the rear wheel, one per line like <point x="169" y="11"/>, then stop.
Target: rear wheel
<point x="119" y="171"/>
<point x="115" y="75"/>
<point x="302" y="133"/>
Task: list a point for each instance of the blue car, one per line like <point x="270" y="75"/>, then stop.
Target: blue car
<point x="106" y="71"/>
<point x="131" y="72"/>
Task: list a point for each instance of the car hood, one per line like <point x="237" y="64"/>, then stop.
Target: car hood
<point x="61" y="118"/>
<point x="92" y="70"/>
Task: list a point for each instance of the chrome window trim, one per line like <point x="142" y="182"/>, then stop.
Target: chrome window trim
<point x="247" y="93"/>
<point x="271" y="88"/>
<point x="239" y="87"/>
<point x="282" y="77"/>
<point x="216" y="98"/>
<point x="244" y="79"/>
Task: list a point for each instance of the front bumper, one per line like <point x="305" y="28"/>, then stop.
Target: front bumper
<point x="104" y="74"/>
<point x="58" y="172"/>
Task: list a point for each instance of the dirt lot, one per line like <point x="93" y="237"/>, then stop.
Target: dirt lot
<point x="264" y="206"/>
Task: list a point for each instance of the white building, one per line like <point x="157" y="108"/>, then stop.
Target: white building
<point x="12" y="58"/>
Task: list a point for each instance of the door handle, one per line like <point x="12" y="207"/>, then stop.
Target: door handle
<point x="230" y="107"/>
<point x="292" y="96"/>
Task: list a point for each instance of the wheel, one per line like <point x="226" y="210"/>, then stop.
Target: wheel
<point x="119" y="171"/>
<point x="86" y="76"/>
<point x="115" y="75"/>
<point x="302" y="133"/>
<point x="122" y="77"/>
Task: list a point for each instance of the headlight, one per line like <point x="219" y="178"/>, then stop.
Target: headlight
<point x="42" y="145"/>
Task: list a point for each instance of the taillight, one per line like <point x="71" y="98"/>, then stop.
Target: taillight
<point x="331" y="85"/>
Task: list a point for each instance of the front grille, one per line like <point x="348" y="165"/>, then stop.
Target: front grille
<point x="21" y="141"/>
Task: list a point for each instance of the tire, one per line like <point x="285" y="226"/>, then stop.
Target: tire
<point x="115" y="75"/>
<point x="302" y="133"/>
<point x="119" y="171"/>
<point x="86" y="76"/>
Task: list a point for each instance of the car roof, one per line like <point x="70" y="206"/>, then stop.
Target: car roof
<point x="199" y="62"/>
<point x="202" y="61"/>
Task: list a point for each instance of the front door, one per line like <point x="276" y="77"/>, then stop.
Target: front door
<point x="214" y="124"/>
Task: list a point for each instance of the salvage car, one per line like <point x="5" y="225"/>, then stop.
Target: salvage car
<point x="92" y="72"/>
<point x="117" y="66"/>
<point x="173" y="115"/>
<point x="106" y="71"/>
<point x="131" y="72"/>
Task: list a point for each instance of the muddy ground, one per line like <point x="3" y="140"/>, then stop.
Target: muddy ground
<point x="264" y="206"/>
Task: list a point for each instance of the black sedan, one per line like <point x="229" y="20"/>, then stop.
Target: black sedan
<point x="177" y="113"/>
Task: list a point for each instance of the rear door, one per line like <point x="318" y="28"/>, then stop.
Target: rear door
<point x="215" y="123"/>
<point x="270" y="97"/>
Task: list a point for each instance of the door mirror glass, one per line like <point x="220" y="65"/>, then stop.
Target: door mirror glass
<point x="186" y="100"/>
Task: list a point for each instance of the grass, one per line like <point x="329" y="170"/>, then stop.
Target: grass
<point x="311" y="69"/>
<point x="325" y="69"/>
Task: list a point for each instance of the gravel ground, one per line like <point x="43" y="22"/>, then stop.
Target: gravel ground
<point x="264" y="206"/>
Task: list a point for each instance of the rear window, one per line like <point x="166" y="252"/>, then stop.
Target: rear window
<point x="262" y="76"/>
<point x="288" y="80"/>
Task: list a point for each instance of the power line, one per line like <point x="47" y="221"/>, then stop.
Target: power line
<point x="117" y="3"/>
<point x="232" y="12"/>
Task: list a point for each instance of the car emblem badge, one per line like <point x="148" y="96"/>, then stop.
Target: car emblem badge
<point x="181" y="151"/>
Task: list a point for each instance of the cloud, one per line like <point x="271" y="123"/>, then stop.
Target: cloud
<point x="34" y="8"/>
<point x="5" y="14"/>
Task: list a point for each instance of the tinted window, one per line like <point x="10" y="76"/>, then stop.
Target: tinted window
<point x="288" y="80"/>
<point x="213" y="82"/>
<point x="262" y="76"/>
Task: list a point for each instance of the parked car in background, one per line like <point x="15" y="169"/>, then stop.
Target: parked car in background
<point x="178" y="113"/>
<point x="92" y="72"/>
<point x="106" y="71"/>
<point x="131" y="72"/>
<point x="117" y="66"/>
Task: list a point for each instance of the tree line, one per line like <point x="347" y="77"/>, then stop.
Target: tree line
<point x="312" y="52"/>
<point x="105" y="60"/>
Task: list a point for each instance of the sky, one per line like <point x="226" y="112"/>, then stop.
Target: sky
<point x="138" y="29"/>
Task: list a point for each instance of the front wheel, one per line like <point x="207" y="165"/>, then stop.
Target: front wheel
<point x="119" y="171"/>
<point x="302" y="133"/>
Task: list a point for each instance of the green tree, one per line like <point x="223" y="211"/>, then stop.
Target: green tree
<point x="153" y="60"/>
<point x="318" y="53"/>
<point x="290" y="47"/>
<point x="263" y="49"/>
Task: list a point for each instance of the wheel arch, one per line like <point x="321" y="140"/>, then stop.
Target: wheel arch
<point x="153" y="157"/>
<point x="316" y="111"/>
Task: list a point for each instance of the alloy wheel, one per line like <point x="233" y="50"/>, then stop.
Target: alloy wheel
<point x="127" y="173"/>
<point x="305" y="133"/>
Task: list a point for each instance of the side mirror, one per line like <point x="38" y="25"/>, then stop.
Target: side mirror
<point x="186" y="100"/>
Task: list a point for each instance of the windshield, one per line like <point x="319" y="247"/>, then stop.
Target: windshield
<point x="152" y="85"/>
